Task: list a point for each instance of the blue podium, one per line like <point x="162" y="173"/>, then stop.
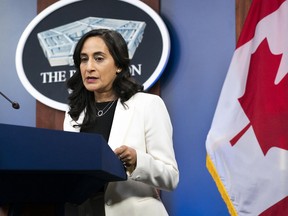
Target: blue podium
<point x="51" y="166"/>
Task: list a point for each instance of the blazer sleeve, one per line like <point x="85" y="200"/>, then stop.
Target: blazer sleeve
<point x="157" y="166"/>
<point x="68" y="124"/>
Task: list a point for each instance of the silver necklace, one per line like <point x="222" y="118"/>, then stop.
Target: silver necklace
<point x="101" y="112"/>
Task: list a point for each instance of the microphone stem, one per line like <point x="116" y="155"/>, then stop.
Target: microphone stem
<point x="15" y="105"/>
<point x="6" y="97"/>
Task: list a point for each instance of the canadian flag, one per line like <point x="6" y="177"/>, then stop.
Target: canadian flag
<point x="247" y="145"/>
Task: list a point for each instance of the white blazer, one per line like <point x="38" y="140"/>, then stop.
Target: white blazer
<point x="145" y="126"/>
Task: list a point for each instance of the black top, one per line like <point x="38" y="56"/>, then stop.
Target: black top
<point x="103" y="122"/>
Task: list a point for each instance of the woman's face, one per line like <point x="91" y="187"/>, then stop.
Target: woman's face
<point x="97" y="66"/>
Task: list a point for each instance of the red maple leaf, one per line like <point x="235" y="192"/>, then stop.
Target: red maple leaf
<point x="264" y="102"/>
<point x="279" y="208"/>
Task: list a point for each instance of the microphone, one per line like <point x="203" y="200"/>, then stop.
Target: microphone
<point x="15" y="105"/>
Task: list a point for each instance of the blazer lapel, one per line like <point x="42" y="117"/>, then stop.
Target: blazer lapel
<point x="120" y="125"/>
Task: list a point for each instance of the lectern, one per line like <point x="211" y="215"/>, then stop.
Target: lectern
<point x="41" y="166"/>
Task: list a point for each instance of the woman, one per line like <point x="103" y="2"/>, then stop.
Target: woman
<point x="136" y="125"/>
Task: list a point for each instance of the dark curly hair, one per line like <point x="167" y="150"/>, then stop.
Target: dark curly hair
<point x="124" y="85"/>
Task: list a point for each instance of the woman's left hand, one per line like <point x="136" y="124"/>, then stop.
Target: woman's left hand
<point x="128" y="156"/>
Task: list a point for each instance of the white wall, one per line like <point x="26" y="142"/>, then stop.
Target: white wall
<point x="14" y="17"/>
<point x="203" y="41"/>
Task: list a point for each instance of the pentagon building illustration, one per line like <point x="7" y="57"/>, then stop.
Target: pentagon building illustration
<point x="58" y="43"/>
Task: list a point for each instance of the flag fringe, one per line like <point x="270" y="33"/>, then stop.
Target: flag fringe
<point x="212" y="170"/>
